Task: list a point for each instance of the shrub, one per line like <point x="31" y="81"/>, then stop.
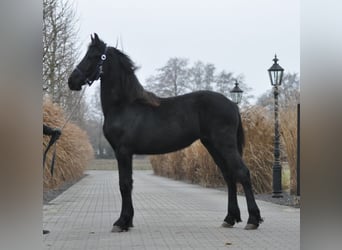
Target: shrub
<point x="258" y="150"/>
<point x="288" y="133"/>
<point x="73" y="150"/>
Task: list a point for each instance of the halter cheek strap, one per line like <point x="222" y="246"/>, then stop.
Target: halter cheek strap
<point x="98" y="70"/>
<point x="99" y="65"/>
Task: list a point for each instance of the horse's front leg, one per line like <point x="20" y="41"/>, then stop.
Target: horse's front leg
<point x="125" y="220"/>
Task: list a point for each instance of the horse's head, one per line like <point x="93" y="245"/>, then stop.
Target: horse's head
<point x="90" y="67"/>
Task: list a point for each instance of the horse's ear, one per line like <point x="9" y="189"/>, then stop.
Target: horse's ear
<point x="92" y="38"/>
<point x="117" y="40"/>
<point x="96" y="37"/>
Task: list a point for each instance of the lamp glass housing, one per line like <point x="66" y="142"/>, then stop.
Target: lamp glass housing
<point x="236" y="93"/>
<point x="276" y="73"/>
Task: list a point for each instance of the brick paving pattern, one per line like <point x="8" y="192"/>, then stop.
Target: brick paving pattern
<point x="168" y="215"/>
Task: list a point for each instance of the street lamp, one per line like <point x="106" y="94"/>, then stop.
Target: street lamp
<point x="276" y="76"/>
<point x="236" y="93"/>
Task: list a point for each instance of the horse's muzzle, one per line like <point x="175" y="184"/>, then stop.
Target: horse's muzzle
<point x="74" y="82"/>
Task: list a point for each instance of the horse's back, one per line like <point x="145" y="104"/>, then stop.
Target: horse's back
<point x="204" y="106"/>
<point x="203" y="99"/>
<point x="217" y="114"/>
<point x="214" y="106"/>
<point x="205" y="111"/>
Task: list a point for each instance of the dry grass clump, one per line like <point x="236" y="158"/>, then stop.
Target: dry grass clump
<point x="196" y="165"/>
<point x="288" y="133"/>
<point x="73" y="150"/>
<point x="258" y="150"/>
<point x="169" y="165"/>
<point x="192" y="163"/>
<point x="201" y="168"/>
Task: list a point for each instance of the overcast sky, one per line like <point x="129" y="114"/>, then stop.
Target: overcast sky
<point x="238" y="36"/>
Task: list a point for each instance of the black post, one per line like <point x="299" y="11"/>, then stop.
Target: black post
<point x="298" y="149"/>
<point x="277" y="188"/>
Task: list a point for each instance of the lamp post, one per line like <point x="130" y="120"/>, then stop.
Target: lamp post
<point x="236" y="93"/>
<point x="276" y="76"/>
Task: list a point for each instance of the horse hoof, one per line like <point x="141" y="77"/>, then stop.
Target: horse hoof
<point x="117" y="229"/>
<point x="251" y="227"/>
<point x="226" y="224"/>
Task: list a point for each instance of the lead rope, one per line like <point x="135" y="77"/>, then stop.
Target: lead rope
<point x="53" y="139"/>
<point x="76" y="106"/>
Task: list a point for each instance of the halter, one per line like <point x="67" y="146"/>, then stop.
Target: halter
<point x="98" y="70"/>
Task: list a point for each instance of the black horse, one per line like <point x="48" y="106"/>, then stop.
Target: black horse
<point x="138" y="122"/>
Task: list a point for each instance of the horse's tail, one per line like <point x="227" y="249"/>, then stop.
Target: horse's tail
<point x="240" y="136"/>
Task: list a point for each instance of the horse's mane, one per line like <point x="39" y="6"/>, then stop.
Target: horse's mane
<point x="130" y="85"/>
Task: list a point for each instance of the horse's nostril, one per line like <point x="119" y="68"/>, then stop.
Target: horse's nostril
<point x="73" y="84"/>
<point x="69" y="81"/>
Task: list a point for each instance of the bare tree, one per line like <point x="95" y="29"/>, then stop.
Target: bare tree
<point x="209" y="77"/>
<point x="171" y="80"/>
<point x="289" y="93"/>
<point x="201" y="76"/>
<point x="60" y="52"/>
<point x="225" y="82"/>
<point x="196" y="76"/>
<point x="177" y="78"/>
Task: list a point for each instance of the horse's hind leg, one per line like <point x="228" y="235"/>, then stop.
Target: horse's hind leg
<point x="232" y="166"/>
<point x="241" y="173"/>
<point x="254" y="213"/>
<point x="233" y="208"/>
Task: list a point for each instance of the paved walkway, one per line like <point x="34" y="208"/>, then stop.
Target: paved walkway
<point x="168" y="215"/>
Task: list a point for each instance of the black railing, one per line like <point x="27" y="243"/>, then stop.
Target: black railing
<point x="298" y="149"/>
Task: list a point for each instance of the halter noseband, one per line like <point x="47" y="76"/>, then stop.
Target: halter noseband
<point x="98" y="70"/>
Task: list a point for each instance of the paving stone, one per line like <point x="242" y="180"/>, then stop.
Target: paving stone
<point x="169" y="214"/>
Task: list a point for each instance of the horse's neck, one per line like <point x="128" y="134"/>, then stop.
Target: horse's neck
<point x="109" y="96"/>
<point x="112" y="94"/>
<point x="118" y="90"/>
